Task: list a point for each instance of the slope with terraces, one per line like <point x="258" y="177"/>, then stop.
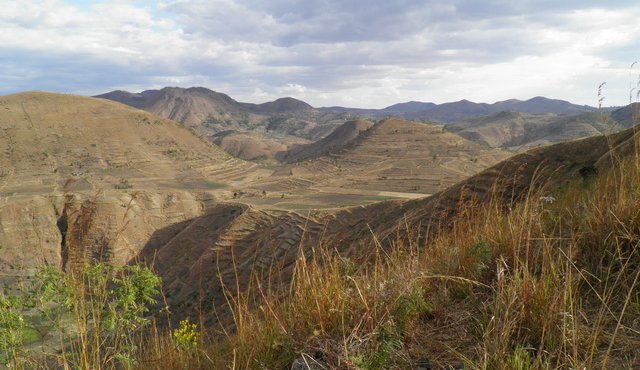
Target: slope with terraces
<point x="392" y="157"/>
<point x="137" y="171"/>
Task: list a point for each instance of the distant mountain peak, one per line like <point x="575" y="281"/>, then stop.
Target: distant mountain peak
<point x="410" y="106"/>
<point x="281" y="105"/>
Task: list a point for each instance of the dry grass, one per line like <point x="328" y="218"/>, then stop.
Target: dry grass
<point x="543" y="286"/>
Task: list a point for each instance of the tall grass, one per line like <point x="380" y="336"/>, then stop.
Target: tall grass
<point x="545" y="285"/>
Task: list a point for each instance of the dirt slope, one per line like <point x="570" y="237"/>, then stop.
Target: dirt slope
<point x="335" y="141"/>
<point x="254" y="146"/>
<point x="138" y="172"/>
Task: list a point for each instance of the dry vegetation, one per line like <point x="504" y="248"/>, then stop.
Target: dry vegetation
<point x="546" y="285"/>
<point x="539" y="284"/>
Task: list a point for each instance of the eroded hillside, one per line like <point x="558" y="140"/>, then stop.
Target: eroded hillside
<point x="88" y="180"/>
<point x="140" y="172"/>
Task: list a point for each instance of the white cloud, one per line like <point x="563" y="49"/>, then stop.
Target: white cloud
<point x="327" y="52"/>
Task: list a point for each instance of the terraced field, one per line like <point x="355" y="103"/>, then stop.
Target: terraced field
<point x="394" y="158"/>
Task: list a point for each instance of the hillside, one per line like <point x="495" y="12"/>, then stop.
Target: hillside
<point x="481" y="275"/>
<point x="393" y="158"/>
<point x="89" y="181"/>
<point x="335" y="141"/>
<point x="520" y="131"/>
<point x="63" y="150"/>
<point x="253" y="146"/>
<point x="269" y="243"/>
<point x="129" y="173"/>
<point x="627" y="116"/>
<point x="193" y="107"/>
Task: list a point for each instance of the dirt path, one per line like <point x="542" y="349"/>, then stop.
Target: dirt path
<point x="395" y="194"/>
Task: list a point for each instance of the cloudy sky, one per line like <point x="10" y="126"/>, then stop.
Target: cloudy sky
<point x="356" y="53"/>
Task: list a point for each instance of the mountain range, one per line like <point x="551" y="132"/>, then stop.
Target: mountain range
<point x="221" y="103"/>
<point x="463" y="109"/>
<point x="275" y="130"/>
<point x="520" y="131"/>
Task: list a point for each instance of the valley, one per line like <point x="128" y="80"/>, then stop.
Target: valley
<point x="137" y="173"/>
<point x="92" y="181"/>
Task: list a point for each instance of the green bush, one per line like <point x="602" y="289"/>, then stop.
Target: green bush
<point x="99" y="312"/>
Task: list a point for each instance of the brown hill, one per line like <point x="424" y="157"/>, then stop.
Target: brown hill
<point x="196" y="106"/>
<point x="282" y="105"/>
<point x="141" y="172"/>
<point x="392" y="156"/>
<point x="205" y="111"/>
<point x="520" y="131"/>
<point x="254" y="146"/>
<point x="627" y="116"/>
<point x="335" y="141"/>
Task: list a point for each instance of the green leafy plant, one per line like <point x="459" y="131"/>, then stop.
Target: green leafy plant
<point x="12" y="326"/>
<point x="105" y="308"/>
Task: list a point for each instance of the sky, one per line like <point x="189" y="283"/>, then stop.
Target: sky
<point x="356" y="53"/>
